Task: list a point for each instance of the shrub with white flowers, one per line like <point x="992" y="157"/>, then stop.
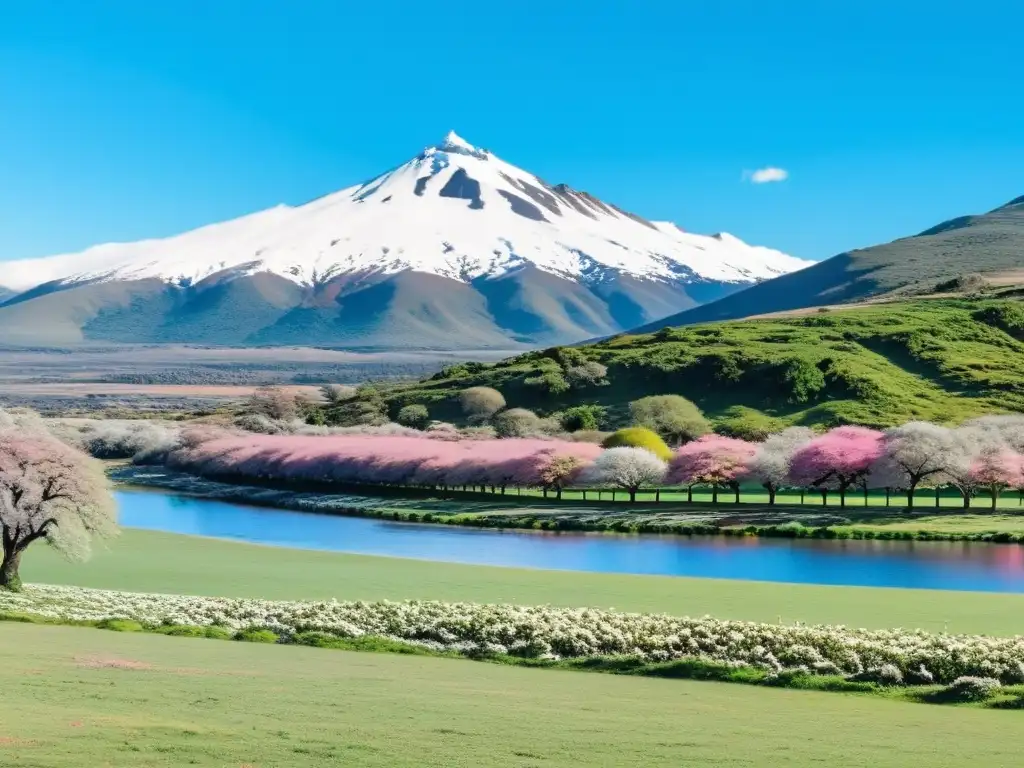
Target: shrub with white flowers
<point x="888" y="656"/>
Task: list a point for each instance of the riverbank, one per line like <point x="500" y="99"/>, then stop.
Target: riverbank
<point x="944" y="524"/>
<point x="147" y="561"/>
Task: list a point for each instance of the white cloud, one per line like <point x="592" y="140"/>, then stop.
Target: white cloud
<point x="766" y="175"/>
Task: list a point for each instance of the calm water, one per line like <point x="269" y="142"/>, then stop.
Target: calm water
<point x="930" y="565"/>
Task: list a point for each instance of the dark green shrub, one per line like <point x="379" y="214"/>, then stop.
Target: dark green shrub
<point x="415" y="416"/>
<point x="583" y="418"/>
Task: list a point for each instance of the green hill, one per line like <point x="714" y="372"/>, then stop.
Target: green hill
<point x="942" y="360"/>
<point x="990" y="244"/>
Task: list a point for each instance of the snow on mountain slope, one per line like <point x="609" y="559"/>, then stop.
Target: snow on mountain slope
<point x="454" y="210"/>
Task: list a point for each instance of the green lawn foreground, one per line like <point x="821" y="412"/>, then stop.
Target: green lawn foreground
<point x="93" y="698"/>
<point x="145" y="561"/>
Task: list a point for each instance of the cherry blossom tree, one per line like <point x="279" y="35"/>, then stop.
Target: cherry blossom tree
<point x="627" y="468"/>
<point x="914" y="454"/>
<point x="49" y="491"/>
<point x="837" y="460"/>
<point x="713" y="460"/>
<point x="997" y="468"/>
<point x="770" y="465"/>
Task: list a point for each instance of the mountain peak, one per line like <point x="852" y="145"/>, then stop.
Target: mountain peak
<point x="457" y="145"/>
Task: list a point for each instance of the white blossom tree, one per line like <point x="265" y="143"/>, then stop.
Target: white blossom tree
<point x="627" y="468"/>
<point x="770" y="466"/>
<point x="49" y="491"/>
<point x="968" y="444"/>
<point x="913" y="454"/>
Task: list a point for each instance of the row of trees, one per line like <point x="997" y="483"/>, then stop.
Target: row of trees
<point x="986" y="454"/>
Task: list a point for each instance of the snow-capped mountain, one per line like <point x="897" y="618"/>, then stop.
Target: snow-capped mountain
<point x="454" y="235"/>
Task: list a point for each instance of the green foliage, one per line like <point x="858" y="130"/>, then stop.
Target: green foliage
<point x="941" y="360"/>
<point x="673" y="417"/>
<point x="747" y="424"/>
<point x="583" y="418"/>
<point x="120" y="625"/>
<point x="415" y="416"/>
<point x="549" y="382"/>
<point x="565" y="356"/>
<point x="1008" y="318"/>
<point x="256" y="636"/>
<point x="639" y="437"/>
<point x="803" y="379"/>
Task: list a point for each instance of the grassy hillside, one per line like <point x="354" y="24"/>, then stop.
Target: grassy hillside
<point x="942" y="360"/>
<point x="989" y="244"/>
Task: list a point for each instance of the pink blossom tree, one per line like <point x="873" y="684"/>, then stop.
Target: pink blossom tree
<point x="714" y="460"/>
<point x="997" y="468"/>
<point x="838" y="460"/>
<point x="49" y="491"/>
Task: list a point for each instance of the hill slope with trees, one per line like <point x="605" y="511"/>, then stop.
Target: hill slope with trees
<point x="939" y="360"/>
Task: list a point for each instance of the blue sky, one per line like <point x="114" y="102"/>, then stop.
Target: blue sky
<point x="121" y="120"/>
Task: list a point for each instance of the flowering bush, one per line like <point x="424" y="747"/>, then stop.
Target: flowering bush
<point x="889" y="656"/>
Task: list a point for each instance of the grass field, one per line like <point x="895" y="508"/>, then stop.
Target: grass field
<point x="89" y="698"/>
<point x="145" y="561"/>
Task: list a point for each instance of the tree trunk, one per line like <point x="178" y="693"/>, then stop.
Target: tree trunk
<point x="967" y="498"/>
<point x="910" y="495"/>
<point x="584" y="494"/>
<point x="824" y="497"/>
<point x="545" y="493"/>
<point x="9" y="578"/>
<point x="657" y="496"/>
<point x="689" y="494"/>
<point x="632" y="494"/>
<point x="842" y="498"/>
<point x="771" y="494"/>
<point x="888" y="495"/>
<point x="865" y="495"/>
<point x="736" y="489"/>
<point x="714" y="494"/>
<point x="937" y="501"/>
<point x="995" y="497"/>
<point x="803" y="495"/>
<point x="558" y="493"/>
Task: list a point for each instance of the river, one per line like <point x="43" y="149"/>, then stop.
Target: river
<point x="927" y="565"/>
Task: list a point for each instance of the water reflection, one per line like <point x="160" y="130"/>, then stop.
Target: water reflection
<point x="929" y="565"/>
